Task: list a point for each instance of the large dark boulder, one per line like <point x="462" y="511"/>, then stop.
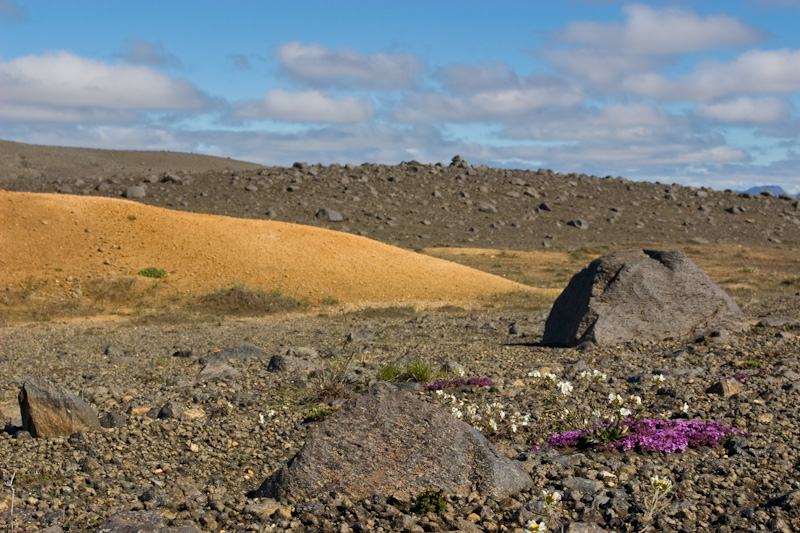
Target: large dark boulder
<point x="386" y="441"/>
<point x="639" y="295"/>
<point x="50" y="410"/>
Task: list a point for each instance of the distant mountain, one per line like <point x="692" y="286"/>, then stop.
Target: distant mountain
<point x="777" y="190"/>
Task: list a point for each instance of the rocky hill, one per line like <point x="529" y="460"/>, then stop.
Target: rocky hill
<point x="416" y="205"/>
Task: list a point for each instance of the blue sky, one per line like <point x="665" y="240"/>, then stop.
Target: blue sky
<point x="695" y="92"/>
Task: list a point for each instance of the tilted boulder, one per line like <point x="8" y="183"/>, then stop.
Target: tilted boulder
<point x="50" y="410"/>
<point x="639" y="295"/>
<point x="388" y="440"/>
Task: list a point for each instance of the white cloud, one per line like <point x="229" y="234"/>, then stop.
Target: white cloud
<point x="306" y="106"/>
<point x="745" y="109"/>
<point x="752" y="72"/>
<point x="629" y="123"/>
<point x="316" y="65"/>
<point x="669" y="31"/>
<point x="66" y="83"/>
<point x="482" y="76"/>
<point x="511" y="104"/>
<point x="605" y="53"/>
<point x="143" y="52"/>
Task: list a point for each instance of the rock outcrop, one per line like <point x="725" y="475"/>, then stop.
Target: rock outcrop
<point x="639" y="295"/>
<point x="386" y="441"/>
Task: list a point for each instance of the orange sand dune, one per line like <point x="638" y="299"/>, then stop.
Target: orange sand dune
<point x="56" y="237"/>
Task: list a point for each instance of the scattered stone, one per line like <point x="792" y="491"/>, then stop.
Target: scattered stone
<point x="725" y="388"/>
<point x="387" y="440"/>
<point x="113" y="420"/>
<point x="288" y="364"/>
<point x="578" y="223"/>
<point x="141" y="522"/>
<point x="135" y="191"/>
<point x="245" y="352"/>
<point x="50" y="410"/>
<point x="217" y="370"/>
<point x="639" y="295"/>
<point x="329" y="215"/>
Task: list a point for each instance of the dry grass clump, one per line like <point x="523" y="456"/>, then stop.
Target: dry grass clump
<point x="241" y="300"/>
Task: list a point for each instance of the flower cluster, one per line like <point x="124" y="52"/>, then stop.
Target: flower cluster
<point x="491" y="417"/>
<point x="459" y="382"/>
<point x="668" y="436"/>
<point x="537" y="527"/>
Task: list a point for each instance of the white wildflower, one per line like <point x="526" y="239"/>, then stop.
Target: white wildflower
<point x="685" y="408"/>
<point x="540" y="527"/>
<point x="658" y="378"/>
<point x="565" y="387"/>
<point x="599" y="376"/>
<point x="624" y="412"/>
<point x="534" y="374"/>
<point x="261" y="419"/>
<point x="550" y="499"/>
<point x="660" y="484"/>
<point x="637" y="400"/>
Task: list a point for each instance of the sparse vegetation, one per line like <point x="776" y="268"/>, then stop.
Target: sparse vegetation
<point x="318" y="414"/>
<point x="392" y="311"/>
<point x="430" y="501"/>
<point x="152" y="272"/>
<point x="417" y="370"/>
<point x="329" y="301"/>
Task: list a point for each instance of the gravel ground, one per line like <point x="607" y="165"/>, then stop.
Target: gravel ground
<point x="228" y="433"/>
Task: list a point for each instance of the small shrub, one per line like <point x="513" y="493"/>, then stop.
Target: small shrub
<point x="329" y="301"/>
<point x="152" y="272"/>
<point x="430" y="501"/>
<point x="131" y="217"/>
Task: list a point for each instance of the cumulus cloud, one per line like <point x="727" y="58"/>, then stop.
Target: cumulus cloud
<point x="142" y="52"/>
<point x="65" y="83"/>
<point x="659" y="32"/>
<point x="754" y="71"/>
<point x="319" y="66"/>
<point x="629" y="123"/>
<point x="604" y="53"/>
<point x="745" y="109"/>
<point x="306" y="106"/>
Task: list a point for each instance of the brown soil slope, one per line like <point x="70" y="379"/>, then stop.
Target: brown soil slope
<point x="56" y="238"/>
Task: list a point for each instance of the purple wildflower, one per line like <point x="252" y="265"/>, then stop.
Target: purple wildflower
<point x="668" y="436"/>
<point x="459" y="382"/>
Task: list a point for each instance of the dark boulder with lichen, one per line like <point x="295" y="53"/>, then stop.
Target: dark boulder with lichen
<point x="386" y="441"/>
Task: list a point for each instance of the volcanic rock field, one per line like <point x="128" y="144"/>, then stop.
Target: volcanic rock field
<point x="233" y="327"/>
